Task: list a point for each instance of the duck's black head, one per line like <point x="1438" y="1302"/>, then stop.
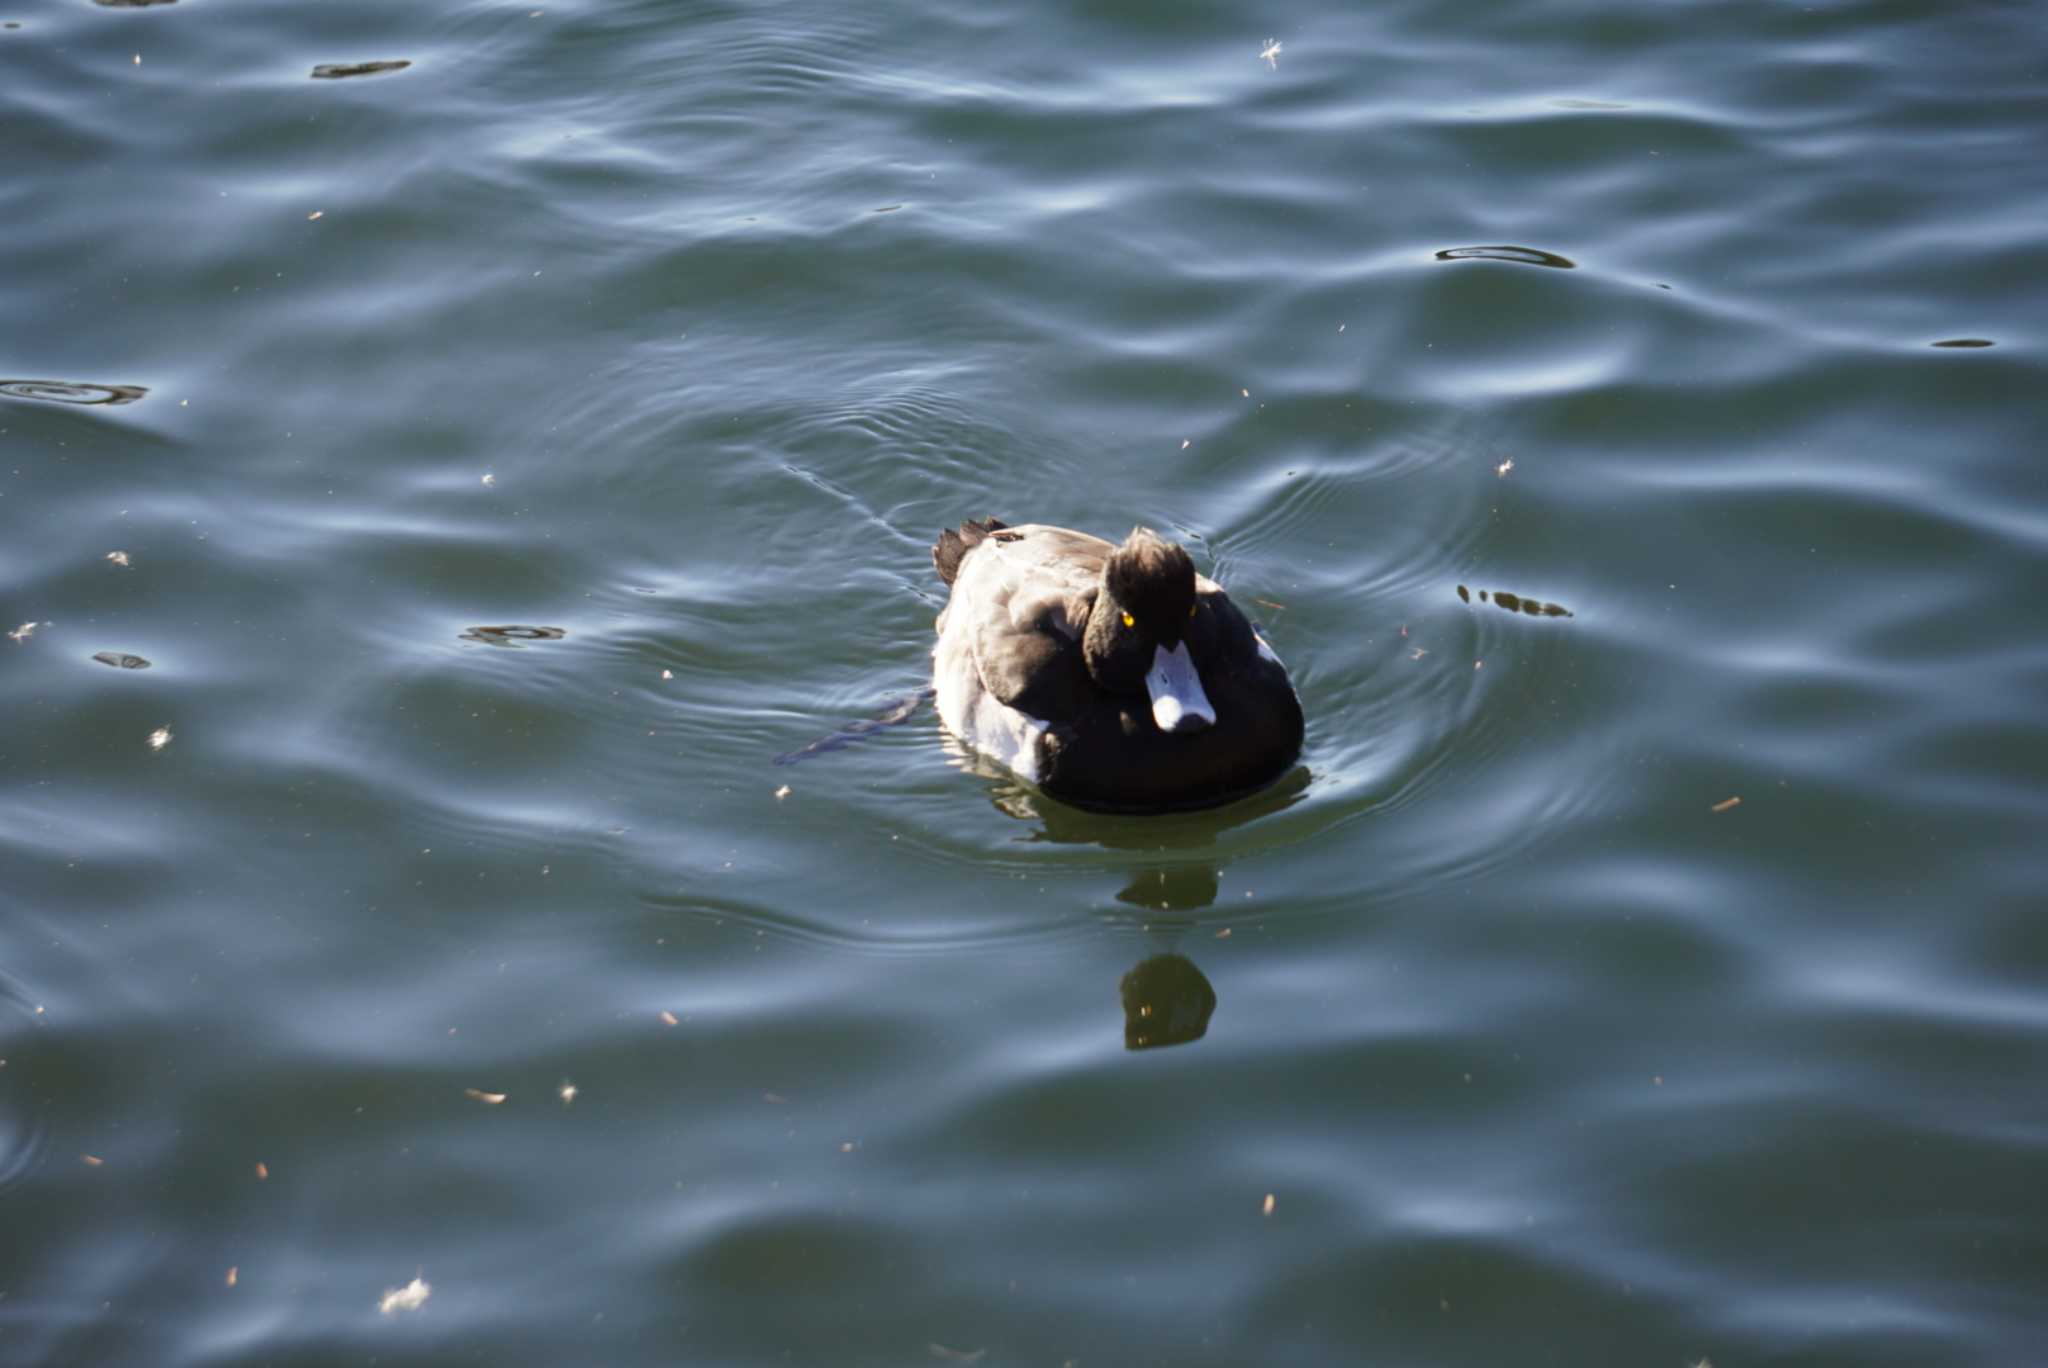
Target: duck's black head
<point x="1136" y="638"/>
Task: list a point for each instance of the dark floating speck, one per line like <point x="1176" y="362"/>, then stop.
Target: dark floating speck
<point x="1515" y="603"/>
<point x="131" y="4"/>
<point x="335" y="71"/>
<point x="1964" y="342"/>
<point x="120" y="660"/>
<point x="887" y="209"/>
<point x="1526" y="256"/>
<point x="64" y="392"/>
<point x="512" y="636"/>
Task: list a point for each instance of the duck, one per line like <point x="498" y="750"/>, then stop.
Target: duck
<point x="1111" y="676"/>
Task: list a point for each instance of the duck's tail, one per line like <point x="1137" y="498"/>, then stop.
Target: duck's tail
<point x="952" y="547"/>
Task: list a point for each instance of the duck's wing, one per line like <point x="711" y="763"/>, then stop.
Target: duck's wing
<point x="1031" y="589"/>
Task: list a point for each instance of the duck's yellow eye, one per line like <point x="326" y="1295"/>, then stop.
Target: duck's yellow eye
<point x="1130" y="621"/>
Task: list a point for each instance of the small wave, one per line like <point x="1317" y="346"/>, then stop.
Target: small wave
<point x="897" y="710"/>
<point x="64" y="392"/>
<point x="1526" y="256"/>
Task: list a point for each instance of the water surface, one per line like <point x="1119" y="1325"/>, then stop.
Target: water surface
<point x="521" y="426"/>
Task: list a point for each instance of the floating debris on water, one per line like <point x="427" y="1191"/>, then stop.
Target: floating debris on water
<point x="668" y="1018"/>
<point x="234" y="1271"/>
<point x="337" y="71"/>
<point x="119" y="558"/>
<point x="567" y="1092"/>
<point x="1267" y="1208"/>
<point x="782" y="793"/>
<point x="1727" y="803"/>
<point x="1963" y="342"/>
<point x="23" y="632"/>
<point x="489" y="480"/>
<point x="262" y="1171"/>
<point x="1270" y="54"/>
<point x="512" y="636"/>
<point x="91" y="1160"/>
<point x="65" y="392"/>
<point x="489" y="1099"/>
<point x="120" y="660"/>
<point x="1525" y="256"/>
<point x="410" y="1297"/>
<point x="160" y="738"/>
<point x="1516" y="603"/>
<point x="940" y="1351"/>
<point x="1504" y="467"/>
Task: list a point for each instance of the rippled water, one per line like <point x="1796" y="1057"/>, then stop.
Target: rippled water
<point x="518" y="427"/>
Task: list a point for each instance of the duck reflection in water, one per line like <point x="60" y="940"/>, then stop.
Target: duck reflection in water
<point x="1166" y="999"/>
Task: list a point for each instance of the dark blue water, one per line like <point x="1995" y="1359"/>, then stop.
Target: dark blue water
<point x="514" y="452"/>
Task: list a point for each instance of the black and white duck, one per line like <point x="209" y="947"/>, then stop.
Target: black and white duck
<point x="1112" y="677"/>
